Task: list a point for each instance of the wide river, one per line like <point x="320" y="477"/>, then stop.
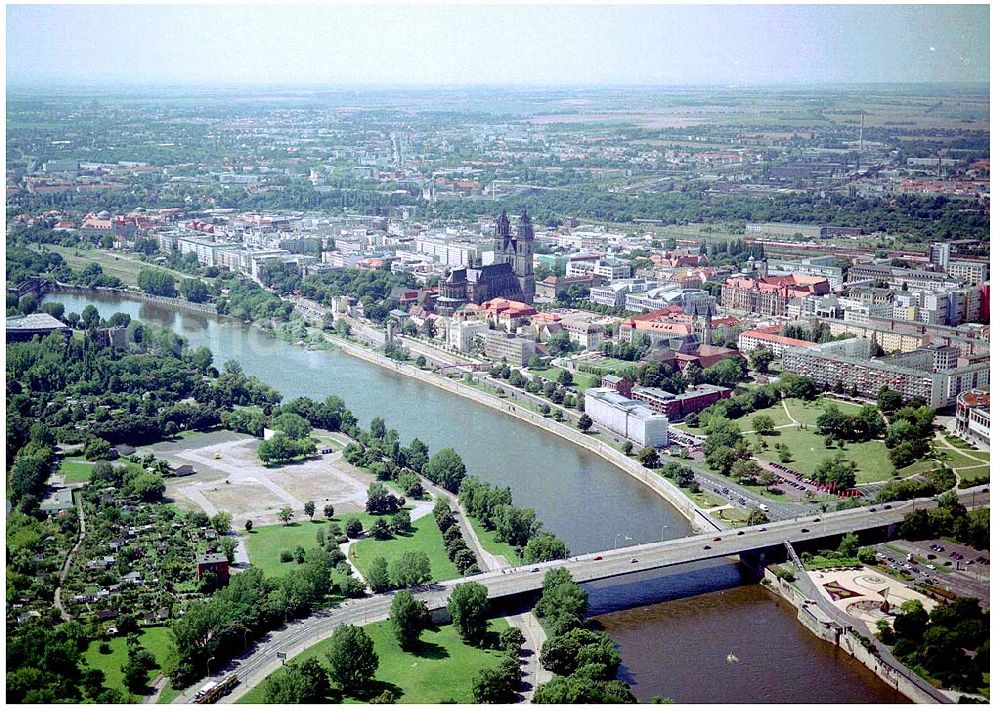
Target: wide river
<point x="669" y="648"/>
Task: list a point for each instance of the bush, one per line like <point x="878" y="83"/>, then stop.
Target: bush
<point x="285" y="556"/>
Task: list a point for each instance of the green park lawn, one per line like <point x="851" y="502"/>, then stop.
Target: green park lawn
<point x="610" y="365"/>
<point x="424" y="536"/>
<point x="488" y="541"/>
<point x="75" y="470"/>
<point x="809" y="451"/>
<point x="581" y="381"/>
<point x="264" y="544"/>
<point x="156" y="639"/>
<point x="443" y="668"/>
<point x="775" y="412"/>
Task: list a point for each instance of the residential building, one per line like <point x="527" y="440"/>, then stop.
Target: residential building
<point x="629" y="418"/>
<point x="768" y="337"/>
<point x="216" y="563"/>
<point x="845" y="366"/>
<point x="615" y="293"/>
<point x="968" y="272"/>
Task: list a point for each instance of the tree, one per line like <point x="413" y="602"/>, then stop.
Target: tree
<point x="495" y="686"/>
<point x="248" y="525"/>
<point x="228" y="546"/>
<point x="328" y="511"/>
<point x="728" y="372"/>
<point x="222" y="522"/>
<point x="352" y="658"/>
<point x="380" y="501"/>
<point x="309" y="508"/>
<point x="97" y="448"/>
<point x="353" y="527"/>
<point x="585" y="423"/>
<point x="763" y="424"/>
<point x="400" y="522"/>
<point x="285" y="514"/>
<point x="848" y="547"/>
<point x="649" y="458"/>
<point x="888" y="400"/>
<point x="380" y="530"/>
<point x="545" y="546"/>
<point x="760" y="358"/>
<point x="293" y="425"/>
<point x="468" y="606"/>
<point x="407" y="618"/>
<point x="411" y="568"/>
<point x="839" y="472"/>
<point x="194" y="290"/>
<point x="561" y="597"/>
<point x="627" y="448"/>
<point x="378" y="575"/>
<point x="756" y="518"/>
<point x="911" y="621"/>
<point x="156" y="281"/>
<point x="293" y="683"/>
<point x="446" y="469"/>
<point x="511" y="640"/>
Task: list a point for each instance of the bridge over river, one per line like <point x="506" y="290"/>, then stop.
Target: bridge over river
<point x="750" y="544"/>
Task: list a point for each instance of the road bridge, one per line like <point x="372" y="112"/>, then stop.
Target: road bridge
<point x="748" y="543"/>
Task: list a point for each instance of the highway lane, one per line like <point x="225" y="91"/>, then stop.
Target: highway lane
<point x="299" y="635"/>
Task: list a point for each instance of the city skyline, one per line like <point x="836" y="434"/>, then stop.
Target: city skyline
<point x="427" y="45"/>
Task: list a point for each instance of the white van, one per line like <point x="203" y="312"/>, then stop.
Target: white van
<point x="763" y="507"/>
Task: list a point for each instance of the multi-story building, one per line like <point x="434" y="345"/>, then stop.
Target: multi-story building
<point x="968" y="272"/>
<point x="972" y="416"/>
<point x="769" y="338"/>
<point x="822" y="266"/>
<point x="614" y="294"/>
<point x="677" y="407"/>
<point x="498" y="345"/>
<point x="462" y="334"/>
<point x="784" y="229"/>
<point x="890" y="341"/>
<point x="769" y="295"/>
<point x="845" y="366"/>
<point x="629" y="418"/>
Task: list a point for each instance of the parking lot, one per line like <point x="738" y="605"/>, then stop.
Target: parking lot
<point x="954" y="567"/>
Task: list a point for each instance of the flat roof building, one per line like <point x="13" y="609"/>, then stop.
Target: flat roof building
<point x="631" y="419"/>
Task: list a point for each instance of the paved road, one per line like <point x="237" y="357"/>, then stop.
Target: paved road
<point x="297" y="636"/>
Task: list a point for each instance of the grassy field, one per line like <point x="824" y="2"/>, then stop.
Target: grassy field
<point x="424" y="536"/>
<point x="76" y="469"/>
<point x="581" y="381"/>
<point x="809" y="451"/>
<point x="168" y="694"/>
<point x="610" y="365"/>
<point x="156" y="639"/>
<point x="443" y="668"/>
<point x="264" y="544"/>
<point x="489" y="542"/>
<point x="122" y="265"/>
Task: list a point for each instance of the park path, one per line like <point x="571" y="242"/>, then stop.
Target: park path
<point x="69" y="560"/>
<point x="969" y="453"/>
<point x="788" y="414"/>
<point x="156" y="688"/>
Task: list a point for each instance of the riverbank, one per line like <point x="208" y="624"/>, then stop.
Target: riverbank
<point x="661" y="486"/>
<point x="813" y="619"/>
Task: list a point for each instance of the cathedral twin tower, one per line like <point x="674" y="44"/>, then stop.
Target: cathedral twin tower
<point x="510" y="276"/>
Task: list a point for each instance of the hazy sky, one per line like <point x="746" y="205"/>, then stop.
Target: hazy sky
<point x="523" y="44"/>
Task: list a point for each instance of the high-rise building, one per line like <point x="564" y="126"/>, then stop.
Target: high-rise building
<point x="939" y="254"/>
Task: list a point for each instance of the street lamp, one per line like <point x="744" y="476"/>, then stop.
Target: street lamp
<point x="208" y="665"/>
<point x="662" y="530"/>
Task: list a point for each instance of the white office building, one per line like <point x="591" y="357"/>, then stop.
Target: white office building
<point x="631" y="419"/>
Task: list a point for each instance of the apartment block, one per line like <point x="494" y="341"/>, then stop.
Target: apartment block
<point x="629" y="418"/>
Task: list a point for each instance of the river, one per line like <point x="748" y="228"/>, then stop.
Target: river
<point x="676" y="648"/>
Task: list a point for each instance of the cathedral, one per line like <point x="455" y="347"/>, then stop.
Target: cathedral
<point x="510" y="276"/>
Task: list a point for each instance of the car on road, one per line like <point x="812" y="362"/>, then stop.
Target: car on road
<point x="634" y="560"/>
<point x="600" y="557"/>
<point x="534" y="570"/>
<point x="762" y="528"/>
<point x="739" y="533"/>
<point x="930" y="567"/>
<point x="816" y="520"/>
<point x="805" y="530"/>
<point x="873" y="509"/>
<point x="717" y="538"/>
<point x="706" y="548"/>
<point x="887" y="507"/>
